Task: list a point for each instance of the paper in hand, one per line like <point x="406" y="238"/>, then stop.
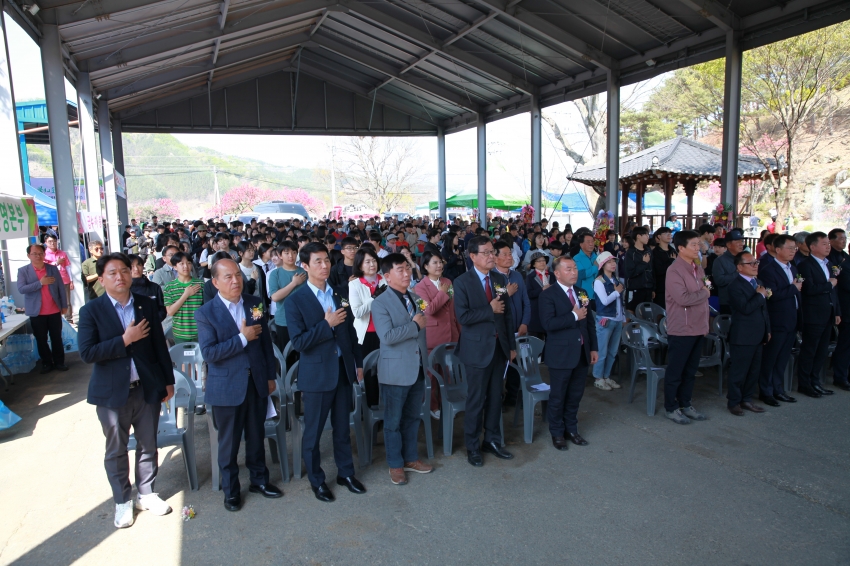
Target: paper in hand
<point x="271" y="412"/>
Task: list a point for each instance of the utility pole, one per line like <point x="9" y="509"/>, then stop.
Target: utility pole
<point x="215" y="194"/>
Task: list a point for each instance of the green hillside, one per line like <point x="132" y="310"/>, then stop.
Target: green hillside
<point x="160" y="166"/>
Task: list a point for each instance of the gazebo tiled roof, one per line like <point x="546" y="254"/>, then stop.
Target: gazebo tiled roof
<point x="677" y="157"/>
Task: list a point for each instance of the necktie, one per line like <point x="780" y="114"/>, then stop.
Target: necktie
<point x="487" y="290"/>
<point x="753" y="283"/>
<point x="410" y="310"/>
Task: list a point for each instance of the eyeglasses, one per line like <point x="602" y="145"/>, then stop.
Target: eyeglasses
<point x="756" y="262"/>
<point x="491" y="252"/>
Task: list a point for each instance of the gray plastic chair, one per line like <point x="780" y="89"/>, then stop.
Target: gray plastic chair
<point x="275" y="432"/>
<point x="170" y="433"/>
<point x="791" y="368"/>
<point x="650" y="312"/>
<point x="187" y="357"/>
<point x="713" y="356"/>
<point x="371" y="415"/>
<point x="296" y="421"/>
<point x="720" y="326"/>
<point x="654" y="343"/>
<point x="636" y="339"/>
<point x="529" y="350"/>
<point x="450" y="374"/>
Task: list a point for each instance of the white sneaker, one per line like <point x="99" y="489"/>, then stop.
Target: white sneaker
<point x="601" y="384"/>
<point x="436" y="414"/>
<point x="612" y="383"/>
<point x="151" y="502"/>
<point x="124" y="515"/>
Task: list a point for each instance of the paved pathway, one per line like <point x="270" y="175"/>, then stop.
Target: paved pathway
<point x="763" y="489"/>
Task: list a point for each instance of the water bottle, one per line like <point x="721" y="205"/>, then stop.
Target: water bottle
<point x="11" y="305"/>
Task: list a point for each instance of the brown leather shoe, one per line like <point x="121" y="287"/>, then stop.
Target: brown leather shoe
<point x="750" y="407"/>
<point x="418" y="467"/>
<point x="397" y="476"/>
<point x="737" y="411"/>
<point x="559" y="442"/>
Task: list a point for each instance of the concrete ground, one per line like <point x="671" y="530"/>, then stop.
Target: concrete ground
<point x="762" y="489"/>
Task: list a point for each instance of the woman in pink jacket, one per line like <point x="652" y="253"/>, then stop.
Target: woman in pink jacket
<point x="441" y="324"/>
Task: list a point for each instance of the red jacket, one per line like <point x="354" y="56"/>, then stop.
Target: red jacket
<point x="441" y="324"/>
<point x="687" y="299"/>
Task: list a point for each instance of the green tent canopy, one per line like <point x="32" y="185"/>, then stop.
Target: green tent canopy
<point x="470" y="200"/>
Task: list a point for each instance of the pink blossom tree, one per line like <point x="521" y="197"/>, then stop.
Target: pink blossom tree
<point x="164" y="208"/>
<point x="244" y="197"/>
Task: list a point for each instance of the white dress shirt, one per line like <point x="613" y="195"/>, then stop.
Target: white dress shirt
<point x="824" y="263"/>
<point x="567" y="293"/>
<point x="237" y="312"/>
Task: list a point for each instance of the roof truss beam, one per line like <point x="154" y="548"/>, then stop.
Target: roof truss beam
<point x="553" y="34"/>
<point x="425" y="40"/>
<point x="157" y="78"/>
<point x="132" y="53"/>
<point x="716" y="13"/>
<point x="375" y="64"/>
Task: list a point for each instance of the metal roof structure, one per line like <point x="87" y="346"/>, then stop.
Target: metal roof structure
<point x="679" y="157"/>
<point x="394" y="67"/>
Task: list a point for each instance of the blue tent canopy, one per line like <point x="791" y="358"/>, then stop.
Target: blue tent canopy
<point x="45" y="207"/>
<point x="571" y="201"/>
<point x="651" y="201"/>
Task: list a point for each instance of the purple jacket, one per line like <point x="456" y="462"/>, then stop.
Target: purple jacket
<point x="687" y="299"/>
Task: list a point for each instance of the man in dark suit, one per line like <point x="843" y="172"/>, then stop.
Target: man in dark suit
<point x="234" y="337"/>
<point x="841" y="356"/>
<point x="487" y="343"/>
<point x="821" y="311"/>
<point x="321" y="329"/>
<point x="570" y="347"/>
<point x="779" y="274"/>
<point x="120" y="333"/>
<point x="749" y="331"/>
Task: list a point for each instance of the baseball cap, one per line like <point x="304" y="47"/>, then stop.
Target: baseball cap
<point x="392" y="237"/>
<point x="734" y="234"/>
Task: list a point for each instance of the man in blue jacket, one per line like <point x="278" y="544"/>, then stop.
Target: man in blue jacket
<point x="45" y="302"/>
<point x="321" y="329"/>
<point x="235" y="341"/>
<point x="121" y="335"/>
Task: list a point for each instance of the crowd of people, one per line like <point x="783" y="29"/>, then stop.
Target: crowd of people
<point x="337" y="291"/>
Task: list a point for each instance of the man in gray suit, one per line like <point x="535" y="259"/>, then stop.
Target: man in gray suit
<point x="45" y="309"/>
<point x="400" y="326"/>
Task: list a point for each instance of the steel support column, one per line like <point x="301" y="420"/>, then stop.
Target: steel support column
<point x="481" y="129"/>
<point x="441" y="171"/>
<point x="13" y="251"/>
<point x="536" y="159"/>
<point x="60" y="153"/>
<point x="731" y="120"/>
<point x="118" y="164"/>
<point x="113" y="230"/>
<point x="612" y="164"/>
<point x="86" y="112"/>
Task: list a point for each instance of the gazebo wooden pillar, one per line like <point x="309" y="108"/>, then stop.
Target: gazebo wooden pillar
<point x="639" y="186"/>
<point x="669" y="184"/>
<point x="624" y="205"/>
<point x="690" y="188"/>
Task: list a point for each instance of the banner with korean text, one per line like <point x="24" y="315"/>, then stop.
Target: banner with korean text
<point x="17" y="217"/>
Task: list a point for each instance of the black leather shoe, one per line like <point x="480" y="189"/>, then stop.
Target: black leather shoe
<point x="200" y="410"/>
<point x="822" y="390"/>
<point x="46" y="369"/>
<point x="840" y="385"/>
<point x="61" y="367"/>
<point x="768" y="400"/>
<point x="323" y="493"/>
<point x="474" y="458"/>
<point x="577" y="439"/>
<point x="233" y="503"/>
<point x="496" y="450"/>
<point x="269" y="491"/>
<point x="559" y="442"/>
<point x="752" y="408"/>
<point x="784" y="398"/>
<point x="352" y="483"/>
<point x="809" y="392"/>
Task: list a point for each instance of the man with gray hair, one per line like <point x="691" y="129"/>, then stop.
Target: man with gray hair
<point x="802" y="248"/>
